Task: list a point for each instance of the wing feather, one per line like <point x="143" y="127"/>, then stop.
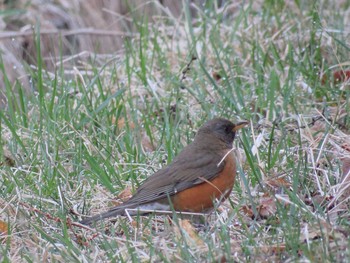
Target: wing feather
<point x="181" y="174"/>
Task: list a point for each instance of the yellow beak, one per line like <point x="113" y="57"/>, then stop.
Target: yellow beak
<point x="240" y="125"/>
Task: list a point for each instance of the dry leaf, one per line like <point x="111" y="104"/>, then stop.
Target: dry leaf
<point x="186" y="231"/>
<point x="321" y="230"/>
<point x="8" y="161"/>
<point x="146" y="144"/>
<point x="123" y="196"/>
<point x="267" y="207"/>
<point x="247" y="211"/>
<point x="273" y="249"/>
<point x="217" y="76"/>
<point x="278" y="182"/>
<point x="3" y="230"/>
<point x="339" y="76"/>
<point x="317" y="200"/>
<point x="122" y="123"/>
<point x="346" y="147"/>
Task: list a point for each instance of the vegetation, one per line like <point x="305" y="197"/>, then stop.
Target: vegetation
<point x="88" y="135"/>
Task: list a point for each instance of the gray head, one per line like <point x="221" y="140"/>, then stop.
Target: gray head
<point x="222" y="129"/>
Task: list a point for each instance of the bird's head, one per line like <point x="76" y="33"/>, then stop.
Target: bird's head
<point x="221" y="129"/>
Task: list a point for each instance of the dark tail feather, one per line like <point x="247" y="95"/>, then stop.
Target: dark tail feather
<point x="116" y="211"/>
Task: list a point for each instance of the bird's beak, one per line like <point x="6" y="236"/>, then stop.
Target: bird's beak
<point x="240" y="125"/>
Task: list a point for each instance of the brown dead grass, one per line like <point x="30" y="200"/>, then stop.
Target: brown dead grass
<point x="68" y="28"/>
<point x="164" y="231"/>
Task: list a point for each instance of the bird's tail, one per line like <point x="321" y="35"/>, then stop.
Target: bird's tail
<point x="115" y="211"/>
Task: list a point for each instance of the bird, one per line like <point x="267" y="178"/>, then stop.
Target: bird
<point x="204" y="171"/>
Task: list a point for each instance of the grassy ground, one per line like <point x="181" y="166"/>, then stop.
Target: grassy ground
<point x="90" y="132"/>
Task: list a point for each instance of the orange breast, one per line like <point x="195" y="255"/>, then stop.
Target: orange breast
<point x="200" y="197"/>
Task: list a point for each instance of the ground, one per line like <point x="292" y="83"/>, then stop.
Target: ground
<point x="88" y="134"/>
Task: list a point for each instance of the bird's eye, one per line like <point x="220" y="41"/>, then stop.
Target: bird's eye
<point x="228" y="129"/>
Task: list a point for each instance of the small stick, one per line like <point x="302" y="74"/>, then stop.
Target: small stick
<point x="188" y="68"/>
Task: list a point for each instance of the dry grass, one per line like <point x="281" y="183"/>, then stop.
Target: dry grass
<point x="99" y="127"/>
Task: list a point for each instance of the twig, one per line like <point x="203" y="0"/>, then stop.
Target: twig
<point x="82" y="31"/>
<point x="188" y="68"/>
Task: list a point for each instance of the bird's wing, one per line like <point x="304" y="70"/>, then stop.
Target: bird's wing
<point x="187" y="169"/>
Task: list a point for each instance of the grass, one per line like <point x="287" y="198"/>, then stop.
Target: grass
<point x="78" y="141"/>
